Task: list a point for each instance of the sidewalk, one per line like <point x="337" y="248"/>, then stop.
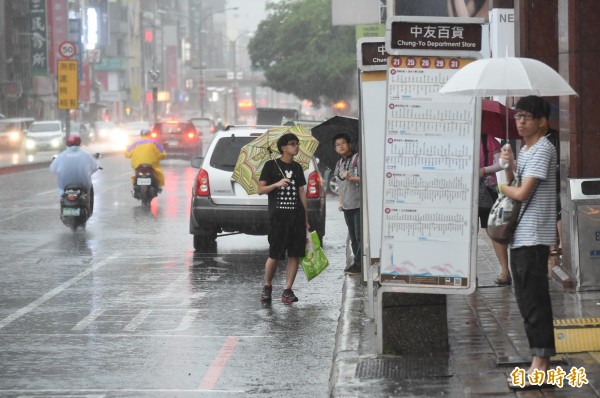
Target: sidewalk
<point x="486" y="339"/>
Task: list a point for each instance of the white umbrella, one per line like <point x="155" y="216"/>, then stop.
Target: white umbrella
<point x="507" y="76"/>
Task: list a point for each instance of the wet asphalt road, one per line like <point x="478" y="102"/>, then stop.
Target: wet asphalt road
<point x="126" y="308"/>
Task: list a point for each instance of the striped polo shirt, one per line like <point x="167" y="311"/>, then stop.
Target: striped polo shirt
<point x="538" y="221"/>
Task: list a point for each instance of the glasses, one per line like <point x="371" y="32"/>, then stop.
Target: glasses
<point x="527" y="116"/>
<point x="293" y="144"/>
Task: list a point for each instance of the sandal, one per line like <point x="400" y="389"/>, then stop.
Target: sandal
<point x="504" y="279"/>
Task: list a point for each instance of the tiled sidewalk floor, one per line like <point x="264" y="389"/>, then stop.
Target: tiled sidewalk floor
<point x="486" y="337"/>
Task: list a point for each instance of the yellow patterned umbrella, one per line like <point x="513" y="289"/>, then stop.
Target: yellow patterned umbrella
<point x="255" y="154"/>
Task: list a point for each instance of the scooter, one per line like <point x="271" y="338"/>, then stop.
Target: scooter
<point x="75" y="207"/>
<point x="145" y="184"/>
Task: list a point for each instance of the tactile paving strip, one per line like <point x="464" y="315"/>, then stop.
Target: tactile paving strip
<point x="577" y="335"/>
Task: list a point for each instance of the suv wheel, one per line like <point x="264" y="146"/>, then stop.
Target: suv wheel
<point x="332" y="184"/>
<point x="204" y="240"/>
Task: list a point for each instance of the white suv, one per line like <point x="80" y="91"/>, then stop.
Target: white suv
<point x="221" y="205"/>
<point x="45" y="135"/>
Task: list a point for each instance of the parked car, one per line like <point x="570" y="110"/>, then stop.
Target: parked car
<point x="182" y="138"/>
<point x="47" y="135"/>
<point x="204" y="125"/>
<point x="220" y="205"/>
<point x="12" y="132"/>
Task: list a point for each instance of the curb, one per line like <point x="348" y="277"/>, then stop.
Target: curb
<point x="346" y="353"/>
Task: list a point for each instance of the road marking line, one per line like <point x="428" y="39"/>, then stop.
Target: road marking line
<point x="85" y="322"/>
<point x="137" y="320"/>
<point x="218" y="365"/>
<point x="187" y="320"/>
<point x="46" y="192"/>
<point x="57" y="290"/>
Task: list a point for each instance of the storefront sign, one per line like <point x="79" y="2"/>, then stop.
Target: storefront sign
<point x="39" y="39"/>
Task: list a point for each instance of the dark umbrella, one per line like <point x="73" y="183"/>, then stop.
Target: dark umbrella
<point x="325" y="132"/>
<point x="494" y="119"/>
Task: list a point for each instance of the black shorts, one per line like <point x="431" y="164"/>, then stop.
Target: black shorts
<point x="287" y="234"/>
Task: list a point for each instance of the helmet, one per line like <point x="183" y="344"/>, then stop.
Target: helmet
<point x="144" y="132"/>
<point x="73" y="140"/>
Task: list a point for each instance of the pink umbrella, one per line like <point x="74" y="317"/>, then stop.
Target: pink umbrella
<point x="494" y="119"/>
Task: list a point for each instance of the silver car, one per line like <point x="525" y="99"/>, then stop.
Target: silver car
<point x="221" y="205"/>
<point x="49" y="135"/>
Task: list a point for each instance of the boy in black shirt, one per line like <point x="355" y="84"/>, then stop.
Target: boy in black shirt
<point x="283" y="180"/>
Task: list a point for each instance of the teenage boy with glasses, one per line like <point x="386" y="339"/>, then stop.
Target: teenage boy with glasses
<point x="536" y="230"/>
<point x="283" y="180"/>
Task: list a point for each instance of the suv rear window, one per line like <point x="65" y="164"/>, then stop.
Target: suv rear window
<point x="166" y="128"/>
<point x="227" y="151"/>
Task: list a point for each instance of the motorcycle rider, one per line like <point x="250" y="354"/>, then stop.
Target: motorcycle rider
<point x="147" y="151"/>
<point x="75" y="165"/>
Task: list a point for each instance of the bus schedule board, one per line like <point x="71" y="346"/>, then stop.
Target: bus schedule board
<point x="431" y="146"/>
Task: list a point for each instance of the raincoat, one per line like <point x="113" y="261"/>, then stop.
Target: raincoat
<point x="74" y="165"/>
<point x="149" y="152"/>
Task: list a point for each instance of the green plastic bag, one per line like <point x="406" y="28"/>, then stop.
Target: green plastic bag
<point x="315" y="260"/>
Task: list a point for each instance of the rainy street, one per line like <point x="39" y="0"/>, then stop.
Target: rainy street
<point x="127" y="308"/>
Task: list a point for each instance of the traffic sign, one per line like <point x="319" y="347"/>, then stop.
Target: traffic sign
<point x="67" y="84"/>
<point x="67" y="49"/>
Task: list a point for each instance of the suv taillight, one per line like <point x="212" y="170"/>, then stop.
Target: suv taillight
<point x="202" y="184"/>
<point x="191" y="135"/>
<point x="313" y="190"/>
<point x="154" y="134"/>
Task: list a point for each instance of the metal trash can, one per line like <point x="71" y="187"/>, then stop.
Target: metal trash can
<point x="584" y="195"/>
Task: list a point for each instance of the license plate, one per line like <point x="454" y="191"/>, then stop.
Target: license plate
<point x="144" y="181"/>
<point x="173" y="143"/>
<point x="71" y="211"/>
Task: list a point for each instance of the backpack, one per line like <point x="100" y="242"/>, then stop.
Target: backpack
<point x="353" y="163"/>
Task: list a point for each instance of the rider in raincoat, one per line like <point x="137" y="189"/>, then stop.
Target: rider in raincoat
<point x="148" y="151"/>
<point x="75" y="165"/>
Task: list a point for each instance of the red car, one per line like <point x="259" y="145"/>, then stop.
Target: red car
<point x="181" y="138"/>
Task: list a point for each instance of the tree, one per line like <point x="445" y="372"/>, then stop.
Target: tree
<point x="301" y="53"/>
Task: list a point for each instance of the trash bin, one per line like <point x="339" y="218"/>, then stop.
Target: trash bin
<point x="585" y="232"/>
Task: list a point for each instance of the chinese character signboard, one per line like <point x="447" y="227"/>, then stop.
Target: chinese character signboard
<point x="39" y="39"/>
<point x="437" y="35"/>
<point x="67" y="84"/>
<point x="373" y="55"/>
<point x="57" y="15"/>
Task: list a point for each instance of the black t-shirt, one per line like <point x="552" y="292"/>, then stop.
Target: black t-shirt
<point x="283" y="198"/>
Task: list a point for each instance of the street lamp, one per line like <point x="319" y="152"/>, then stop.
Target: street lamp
<point x="234" y="94"/>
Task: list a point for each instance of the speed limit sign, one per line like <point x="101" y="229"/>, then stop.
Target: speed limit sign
<point x="67" y="49"/>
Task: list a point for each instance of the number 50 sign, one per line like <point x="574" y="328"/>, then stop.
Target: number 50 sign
<point x="67" y="49"/>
